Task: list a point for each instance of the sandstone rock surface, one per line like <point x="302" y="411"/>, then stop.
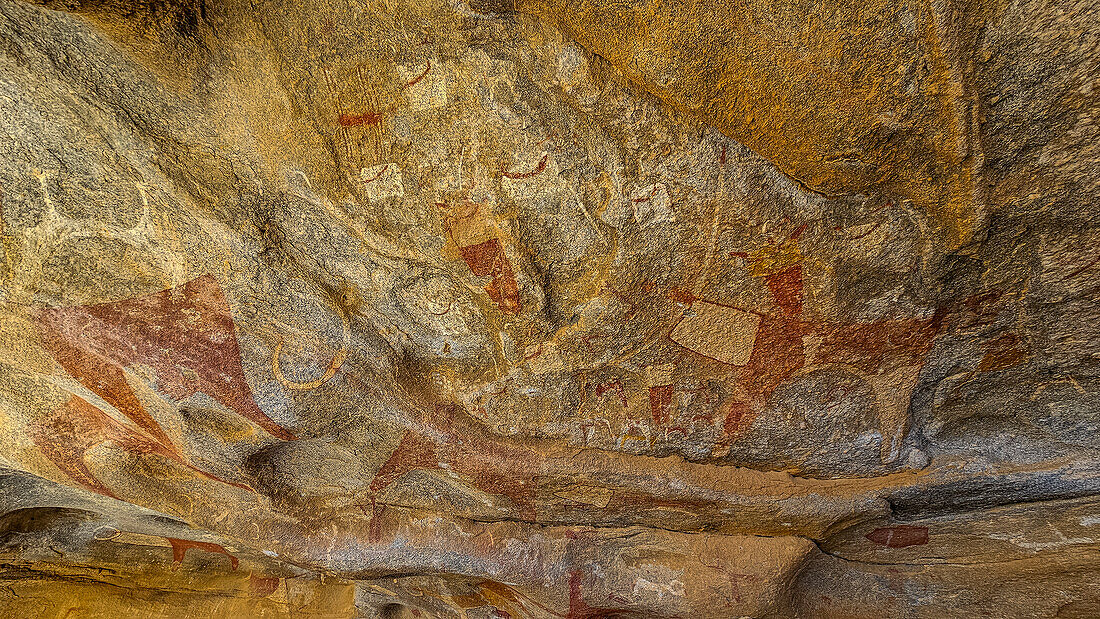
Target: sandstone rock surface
<point x="490" y="309"/>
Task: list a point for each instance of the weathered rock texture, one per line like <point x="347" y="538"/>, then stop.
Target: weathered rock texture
<point x="365" y="308"/>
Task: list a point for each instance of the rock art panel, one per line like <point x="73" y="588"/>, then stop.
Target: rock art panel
<point x="661" y="391"/>
<point x="767" y="309"/>
<point x="469" y="228"/>
<point x="70" y="430"/>
<point x="181" y="546"/>
<point x="185" y="334"/>
<point x="900" y="536"/>
<point x="382" y="182"/>
<point x="725" y="334"/>
<point x="460" y="451"/>
<point x="488" y="259"/>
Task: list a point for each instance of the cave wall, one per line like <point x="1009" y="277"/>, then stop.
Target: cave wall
<point x="500" y="309"/>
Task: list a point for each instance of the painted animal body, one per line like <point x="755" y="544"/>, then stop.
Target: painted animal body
<point x="186" y="335"/>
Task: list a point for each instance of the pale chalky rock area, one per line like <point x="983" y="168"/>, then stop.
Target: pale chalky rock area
<point x="506" y="309"/>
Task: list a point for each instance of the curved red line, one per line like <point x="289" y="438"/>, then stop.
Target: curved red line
<point x="444" y="311"/>
<point x="379" y="175"/>
<point x="540" y="168"/>
<point x="414" y="81"/>
<point x="1082" y="269"/>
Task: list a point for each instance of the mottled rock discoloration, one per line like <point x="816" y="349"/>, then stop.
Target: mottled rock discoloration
<point x="542" y="310"/>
